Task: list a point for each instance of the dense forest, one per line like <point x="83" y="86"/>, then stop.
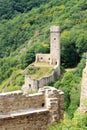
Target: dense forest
<point x="24" y="31"/>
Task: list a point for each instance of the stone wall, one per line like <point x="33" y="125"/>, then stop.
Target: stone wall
<point x="83" y="98"/>
<point x="29" y="121"/>
<point x="15" y="101"/>
<point x="35" y="84"/>
<point x="43" y="58"/>
<point x="31" y="112"/>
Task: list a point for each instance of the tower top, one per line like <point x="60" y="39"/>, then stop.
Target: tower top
<point x="55" y="29"/>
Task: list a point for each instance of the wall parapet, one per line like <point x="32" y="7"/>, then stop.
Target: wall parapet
<point x="15" y="101"/>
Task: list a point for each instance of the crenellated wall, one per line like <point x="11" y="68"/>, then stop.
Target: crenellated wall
<point x="19" y="111"/>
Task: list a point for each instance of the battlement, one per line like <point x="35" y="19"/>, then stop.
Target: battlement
<point x="19" y="111"/>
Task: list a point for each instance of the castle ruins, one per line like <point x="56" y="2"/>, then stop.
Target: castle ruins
<point x="52" y="58"/>
<point x="23" y="111"/>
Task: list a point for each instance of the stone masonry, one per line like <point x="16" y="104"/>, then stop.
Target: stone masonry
<point x="83" y="98"/>
<point x="19" y="111"/>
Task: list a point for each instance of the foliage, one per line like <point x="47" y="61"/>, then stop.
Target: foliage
<point x="32" y="20"/>
<point x="19" y="61"/>
<point x="79" y="122"/>
<point x="10" y="8"/>
<point x="70" y="84"/>
<point x="14" y="82"/>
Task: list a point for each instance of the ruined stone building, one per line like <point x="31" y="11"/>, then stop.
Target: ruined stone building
<point x="52" y="58"/>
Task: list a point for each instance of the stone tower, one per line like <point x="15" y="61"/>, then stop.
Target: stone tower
<point x="83" y="98"/>
<point x="55" y="45"/>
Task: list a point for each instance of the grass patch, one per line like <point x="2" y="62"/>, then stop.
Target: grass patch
<point x="32" y="92"/>
<point x="13" y="83"/>
<point x="39" y="70"/>
<point x="12" y="88"/>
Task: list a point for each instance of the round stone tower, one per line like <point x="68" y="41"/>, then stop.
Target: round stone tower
<point x="55" y="45"/>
